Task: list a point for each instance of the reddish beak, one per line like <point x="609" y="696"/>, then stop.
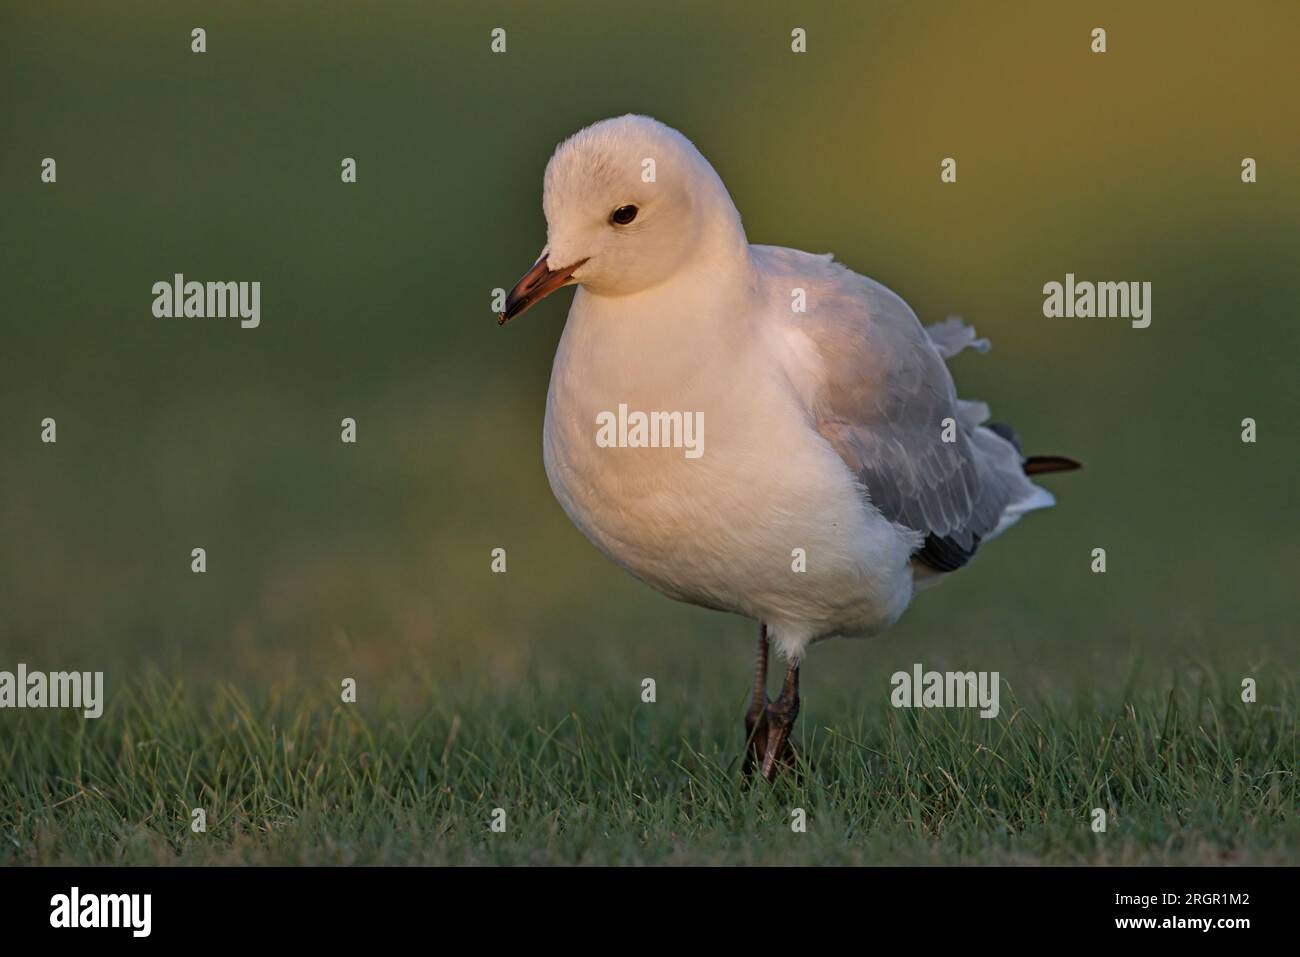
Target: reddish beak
<point x="535" y="285"/>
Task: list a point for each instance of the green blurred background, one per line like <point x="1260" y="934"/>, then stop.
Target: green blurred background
<point x="372" y="561"/>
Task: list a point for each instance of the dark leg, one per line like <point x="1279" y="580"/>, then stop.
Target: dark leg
<point x="781" y="715"/>
<point x="756" y="716"/>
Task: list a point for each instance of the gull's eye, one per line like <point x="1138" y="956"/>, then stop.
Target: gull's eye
<point x="623" y="215"/>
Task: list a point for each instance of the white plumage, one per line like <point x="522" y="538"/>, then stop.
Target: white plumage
<point x="823" y="428"/>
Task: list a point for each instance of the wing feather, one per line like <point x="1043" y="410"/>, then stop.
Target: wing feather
<point x="884" y="398"/>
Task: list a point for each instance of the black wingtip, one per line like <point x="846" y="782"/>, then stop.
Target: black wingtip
<point x="1038" y="464"/>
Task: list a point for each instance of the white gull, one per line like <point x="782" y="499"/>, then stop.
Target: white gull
<point x="837" y="472"/>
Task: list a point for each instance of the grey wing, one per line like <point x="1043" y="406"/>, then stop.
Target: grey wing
<point x="887" y="405"/>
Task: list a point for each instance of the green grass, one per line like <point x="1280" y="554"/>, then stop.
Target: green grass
<point x="1191" y="776"/>
<point x="372" y="561"/>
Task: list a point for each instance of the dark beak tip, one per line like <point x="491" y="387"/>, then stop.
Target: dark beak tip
<point x="534" y="286"/>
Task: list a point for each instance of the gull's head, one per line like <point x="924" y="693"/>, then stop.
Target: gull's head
<point x="628" y="203"/>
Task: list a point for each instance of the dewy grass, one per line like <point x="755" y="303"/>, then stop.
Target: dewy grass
<point x="1183" y="775"/>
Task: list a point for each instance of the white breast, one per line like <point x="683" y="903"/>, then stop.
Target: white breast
<point x="731" y="528"/>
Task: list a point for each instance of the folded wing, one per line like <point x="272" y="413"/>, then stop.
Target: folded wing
<point x="887" y="404"/>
